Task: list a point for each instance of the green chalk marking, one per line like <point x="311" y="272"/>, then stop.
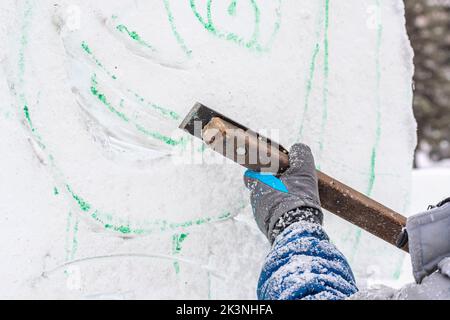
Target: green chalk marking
<point x="68" y="228"/>
<point x="121" y="229"/>
<point x="210" y="27"/>
<point x="326" y="74"/>
<point x="89" y="51"/>
<point x="232" y="8"/>
<point x="162" y="110"/>
<point x="158" y="136"/>
<point x="165" y="112"/>
<point x="253" y="43"/>
<point x="55" y="191"/>
<point x="74" y="240"/>
<point x="276" y="28"/>
<point x="309" y="87"/>
<point x="106" y="220"/>
<point x="311" y="74"/>
<point x="26" y="111"/>
<point x="71" y="245"/>
<point x="177" y="240"/>
<point x="373" y="159"/>
<point x="176" y="265"/>
<point x="86" y="48"/>
<point x="325" y="94"/>
<point x="23" y="43"/>
<point x="157" y="225"/>
<point x="24" y="38"/>
<point x="104" y="100"/>
<point x="135" y="36"/>
<point x="175" y="32"/>
<point x="84" y="206"/>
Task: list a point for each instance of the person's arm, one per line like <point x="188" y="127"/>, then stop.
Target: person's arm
<point x="428" y="236"/>
<point x="302" y="264"/>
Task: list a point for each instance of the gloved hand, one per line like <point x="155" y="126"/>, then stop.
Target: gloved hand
<point x="429" y="241"/>
<point x="274" y="199"/>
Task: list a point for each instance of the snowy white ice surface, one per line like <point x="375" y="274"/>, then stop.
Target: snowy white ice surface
<point x="98" y="195"/>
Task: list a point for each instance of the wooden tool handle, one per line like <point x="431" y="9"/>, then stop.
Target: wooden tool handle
<point x="258" y="153"/>
<point x="356" y="208"/>
<point x="361" y="210"/>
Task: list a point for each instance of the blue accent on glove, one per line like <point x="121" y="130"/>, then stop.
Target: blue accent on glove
<point x="268" y="179"/>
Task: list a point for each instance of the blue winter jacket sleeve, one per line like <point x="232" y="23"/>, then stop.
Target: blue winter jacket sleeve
<point x="304" y="265"/>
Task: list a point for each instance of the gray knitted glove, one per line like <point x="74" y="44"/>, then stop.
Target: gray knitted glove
<point x="272" y="197"/>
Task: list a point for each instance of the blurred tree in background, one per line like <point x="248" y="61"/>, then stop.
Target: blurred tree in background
<point x="428" y="23"/>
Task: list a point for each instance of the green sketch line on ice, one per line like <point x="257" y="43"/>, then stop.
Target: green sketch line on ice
<point x="311" y="75"/>
<point x="108" y="221"/>
<point x="134" y="35"/>
<point x="107" y="96"/>
<point x="164" y="111"/>
<point x="148" y="132"/>
<point x="326" y="75"/>
<point x="175" y="32"/>
<point x="325" y="23"/>
<point x="177" y="240"/>
<point x="254" y="42"/>
<point x="71" y="242"/>
<point x="88" y="50"/>
<point x="232" y="8"/>
<point x="325" y="94"/>
<point x="373" y="158"/>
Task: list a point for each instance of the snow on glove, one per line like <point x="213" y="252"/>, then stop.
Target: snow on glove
<point x="429" y="241"/>
<point x="272" y="197"/>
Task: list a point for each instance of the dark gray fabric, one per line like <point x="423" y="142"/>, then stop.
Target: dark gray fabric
<point x="300" y="180"/>
<point x="429" y="240"/>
